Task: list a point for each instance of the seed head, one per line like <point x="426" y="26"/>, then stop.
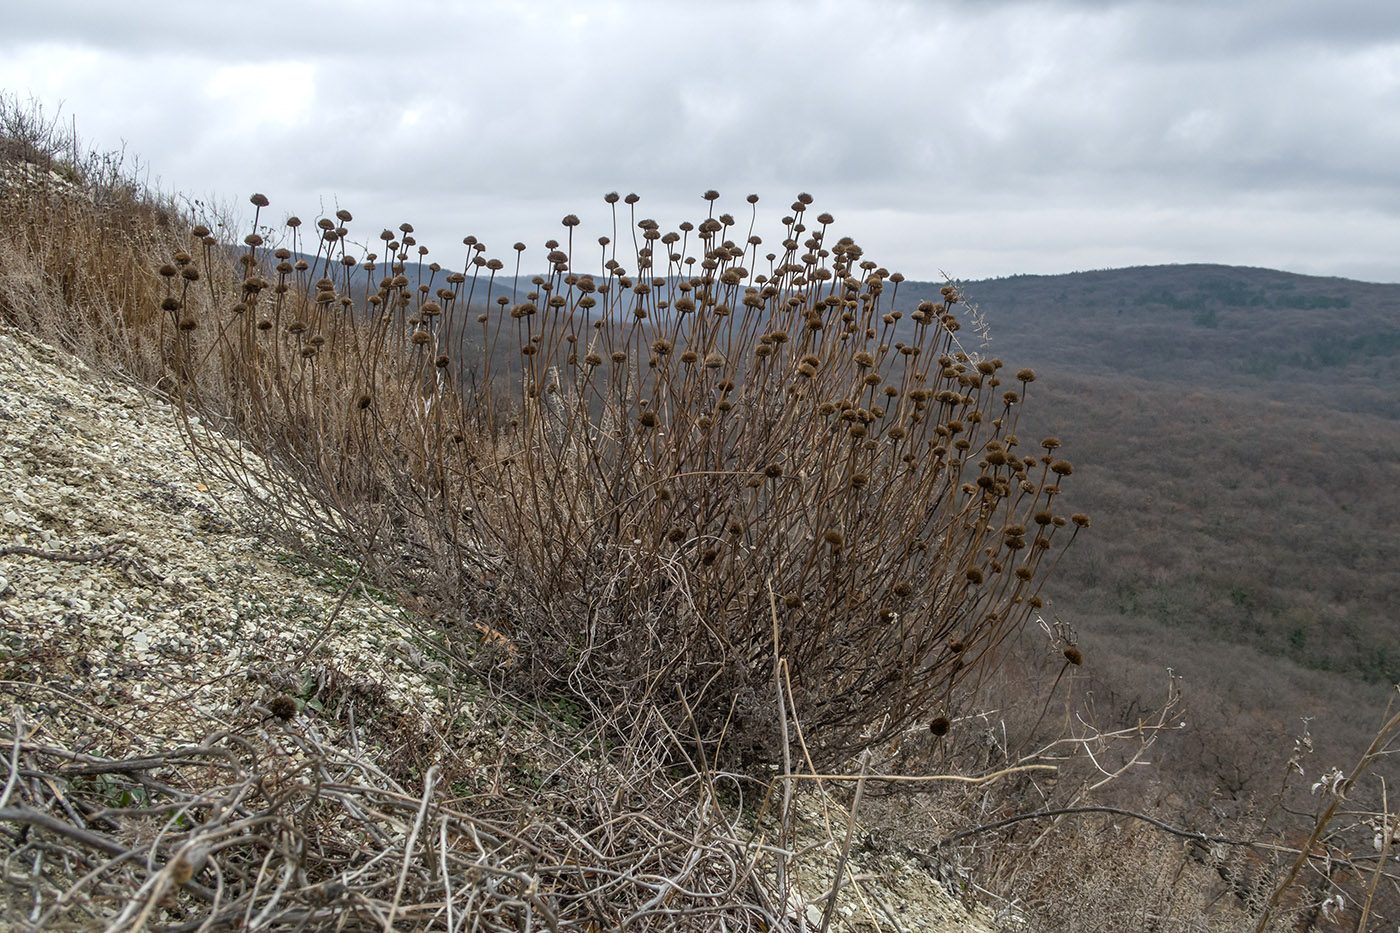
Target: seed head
<point x="939" y="726"/>
<point x="258" y="200"/>
<point x="1073" y="655"/>
<point x="283" y="707"/>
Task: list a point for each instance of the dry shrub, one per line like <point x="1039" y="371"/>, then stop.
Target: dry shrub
<point x="79" y="237"/>
<point x="656" y="476"/>
<point x="648" y="478"/>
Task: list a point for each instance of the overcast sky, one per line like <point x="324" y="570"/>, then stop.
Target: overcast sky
<point x="977" y="138"/>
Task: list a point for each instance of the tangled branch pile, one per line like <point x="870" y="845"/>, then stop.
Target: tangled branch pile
<point x="281" y="828"/>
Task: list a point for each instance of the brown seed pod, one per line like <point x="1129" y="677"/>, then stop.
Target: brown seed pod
<point x="283" y="707"/>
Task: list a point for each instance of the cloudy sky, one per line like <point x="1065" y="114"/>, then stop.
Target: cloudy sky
<point x="978" y="138"/>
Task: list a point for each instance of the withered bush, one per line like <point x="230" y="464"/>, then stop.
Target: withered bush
<point x="643" y="473"/>
<point x="78" y="242"/>
<point x="655" y="470"/>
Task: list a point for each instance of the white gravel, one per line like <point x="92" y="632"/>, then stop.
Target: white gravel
<point x="177" y="590"/>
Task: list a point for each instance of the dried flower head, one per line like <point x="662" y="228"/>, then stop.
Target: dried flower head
<point x="283" y="707"/>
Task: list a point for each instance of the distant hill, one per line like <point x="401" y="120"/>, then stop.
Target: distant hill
<point x="1203" y="325"/>
<point x="1236" y="439"/>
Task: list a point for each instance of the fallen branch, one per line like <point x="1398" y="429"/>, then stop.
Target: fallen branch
<point x="96" y="553"/>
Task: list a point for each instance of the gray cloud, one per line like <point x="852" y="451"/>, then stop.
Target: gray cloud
<point x="980" y="138"/>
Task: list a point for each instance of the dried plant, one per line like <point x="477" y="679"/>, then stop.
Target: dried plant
<point x="618" y="459"/>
